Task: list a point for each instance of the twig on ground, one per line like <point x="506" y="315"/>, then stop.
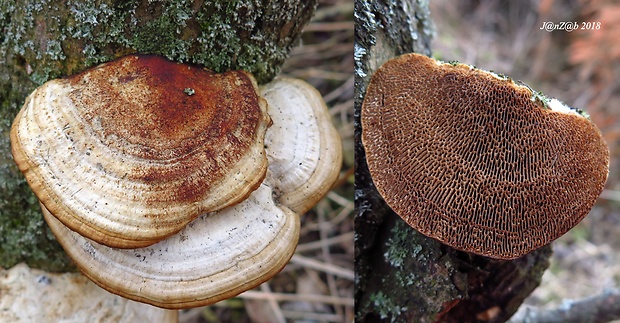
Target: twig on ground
<point x="322" y="266"/>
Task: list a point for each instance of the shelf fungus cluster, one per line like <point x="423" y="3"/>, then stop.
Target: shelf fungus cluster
<point x="172" y="185"/>
<point x="476" y="161"/>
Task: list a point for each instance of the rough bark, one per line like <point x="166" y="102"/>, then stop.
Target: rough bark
<point x="402" y="275"/>
<point x="43" y="39"/>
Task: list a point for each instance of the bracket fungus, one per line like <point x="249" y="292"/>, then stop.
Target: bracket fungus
<point x="215" y="257"/>
<point x="302" y="167"/>
<point x="124" y="155"/>
<point x="476" y="161"/>
<point x="223" y="251"/>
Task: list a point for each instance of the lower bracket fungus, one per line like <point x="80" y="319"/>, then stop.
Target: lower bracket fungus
<point x="476" y="161"/>
<point x="218" y="254"/>
<point x="215" y="257"/>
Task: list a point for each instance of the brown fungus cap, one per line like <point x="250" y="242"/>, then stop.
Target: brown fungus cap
<point x="129" y="152"/>
<point x="476" y="161"/>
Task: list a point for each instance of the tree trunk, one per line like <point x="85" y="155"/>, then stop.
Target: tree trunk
<point x="42" y="40"/>
<point x="402" y="275"/>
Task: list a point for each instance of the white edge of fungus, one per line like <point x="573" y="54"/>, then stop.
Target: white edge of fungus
<point x="559" y="106"/>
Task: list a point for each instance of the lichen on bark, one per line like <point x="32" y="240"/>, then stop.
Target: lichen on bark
<point x="55" y="38"/>
<point x="408" y="277"/>
<point x="45" y="39"/>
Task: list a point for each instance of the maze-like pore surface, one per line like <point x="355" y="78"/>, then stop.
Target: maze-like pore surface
<point x="470" y="159"/>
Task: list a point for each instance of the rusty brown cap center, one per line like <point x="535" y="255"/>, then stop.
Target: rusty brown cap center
<point x="153" y="108"/>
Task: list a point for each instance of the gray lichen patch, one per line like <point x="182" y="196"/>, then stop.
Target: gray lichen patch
<point x="398" y="247"/>
<point x="386" y="307"/>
